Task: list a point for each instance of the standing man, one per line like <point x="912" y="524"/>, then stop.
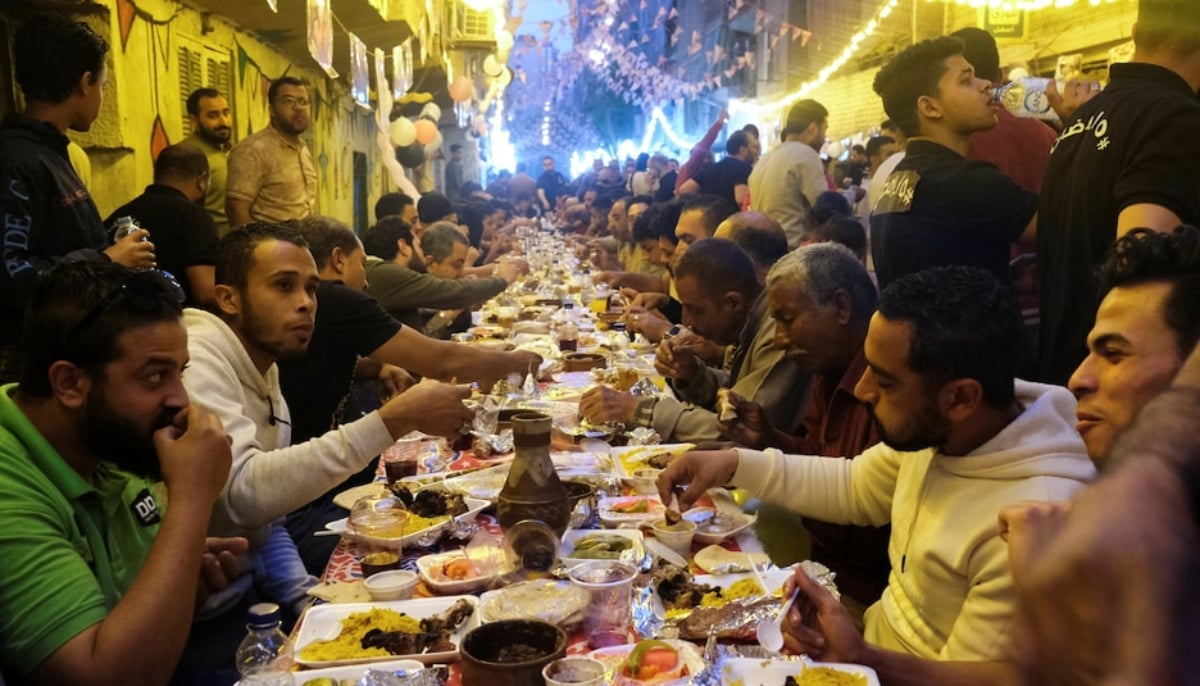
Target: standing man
<point x="271" y="173"/>
<point x="939" y="208"/>
<point x="1129" y="158"/>
<point x="1019" y="146"/>
<point x="786" y="182"/>
<point x="184" y="233"/>
<point x="46" y="213"/>
<point x="550" y="184"/>
<point x="454" y="172"/>
<point x="730" y="177"/>
<point x="212" y="133"/>
<point x="100" y="582"/>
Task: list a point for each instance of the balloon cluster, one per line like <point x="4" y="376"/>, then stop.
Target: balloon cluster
<point x="415" y="140"/>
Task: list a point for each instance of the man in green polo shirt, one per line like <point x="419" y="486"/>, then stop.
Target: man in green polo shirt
<point x="212" y="132"/>
<point x="99" y="576"/>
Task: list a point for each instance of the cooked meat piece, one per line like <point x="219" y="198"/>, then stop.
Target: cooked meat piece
<point x="397" y="642"/>
<point x="444" y="624"/>
<point x="660" y="461"/>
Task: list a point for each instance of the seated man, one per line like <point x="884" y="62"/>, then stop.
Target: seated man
<point x="100" y="583"/>
<point x="445" y="249"/>
<point x="1106" y="597"/>
<point x="266" y="292"/>
<point x="724" y="303"/>
<point x="961" y="439"/>
<point x="822" y="299"/>
<point x="396" y="204"/>
<point x="759" y="236"/>
<point x="354" y="333"/>
<point x="1147" y="323"/>
<point x="398" y="279"/>
<point x="184" y="234"/>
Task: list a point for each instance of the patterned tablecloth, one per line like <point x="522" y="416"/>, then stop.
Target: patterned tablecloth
<point x="344" y="563"/>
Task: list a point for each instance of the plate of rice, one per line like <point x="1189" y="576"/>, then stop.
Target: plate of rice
<point x="414" y="527"/>
<point x="744" y="671"/>
<point x="427" y="629"/>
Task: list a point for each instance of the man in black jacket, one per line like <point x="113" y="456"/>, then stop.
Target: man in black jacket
<point x="46" y="213"/>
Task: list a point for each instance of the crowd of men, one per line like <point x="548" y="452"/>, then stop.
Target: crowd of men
<point x="853" y="350"/>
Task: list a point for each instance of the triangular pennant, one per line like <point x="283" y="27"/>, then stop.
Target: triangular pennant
<point x="796" y="32"/>
<point x="804" y="38"/>
<point x="158" y="138"/>
<point x="674" y="13"/>
<point x="126" y="11"/>
<point x="730" y="72"/>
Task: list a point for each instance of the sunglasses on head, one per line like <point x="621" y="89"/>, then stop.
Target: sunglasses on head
<point x="142" y="291"/>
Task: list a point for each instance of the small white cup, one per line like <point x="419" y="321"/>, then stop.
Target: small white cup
<point x="678" y="537"/>
<point x="574" y="671"/>
<point x="397" y="584"/>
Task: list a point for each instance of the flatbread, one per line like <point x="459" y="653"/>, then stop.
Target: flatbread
<point x="340" y="592"/>
<point x="348" y="497"/>
<point x="557" y="602"/>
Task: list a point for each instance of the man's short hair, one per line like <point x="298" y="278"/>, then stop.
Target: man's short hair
<point x="380" y="239"/>
<point x="180" y="162"/>
<point x="762" y="239"/>
<point x="1171" y="25"/>
<point x="718" y="266"/>
<point x="547" y="157"/>
<point x="645" y="226"/>
<point x="876" y="143"/>
<point x="666" y="218"/>
<point x="434" y="207"/>
<point x="737" y="142"/>
<point x="437" y="242"/>
<point x="843" y="230"/>
<point x="52" y="52"/>
<point x="193" y="100"/>
<point x="639" y="200"/>
<point x="830" y="204"/>
<point x="323" y="234"/>
<point x="802" y="115"/>
<point x="751" y="129"/>
<point x="391" y="204"/>
<point x="235" y="251"/>
<point x="78" y="310"/>
<point x="603" y="202"/>
<point x="1145" y="256"/>
<point x="858" y="149"/>
<point x="823" y="269"/>
<point x="715" y="208"/>
<point x="912" y="74"/>
<point x="455" y="148"/>
<point x="278" y="83"/>
<point x="979" y="48"/>
<point x="965" y="325"/>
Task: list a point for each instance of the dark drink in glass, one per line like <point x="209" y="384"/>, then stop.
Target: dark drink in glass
<point x="373" y="563"/>
<point x="399" y="469"/>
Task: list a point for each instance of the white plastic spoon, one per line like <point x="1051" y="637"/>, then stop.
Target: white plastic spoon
<point x="770" y="631"/>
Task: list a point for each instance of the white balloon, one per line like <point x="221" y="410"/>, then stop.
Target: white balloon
<point x="432" y="111"/>
<point x="402" y="132"/>
<point x="492" y="66"/>
<point x="836" y="149"/>
<point x="504" y="43"/>
<point x="505" y="77"/>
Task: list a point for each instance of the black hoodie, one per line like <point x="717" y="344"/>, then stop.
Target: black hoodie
<point x="46" y="213"/>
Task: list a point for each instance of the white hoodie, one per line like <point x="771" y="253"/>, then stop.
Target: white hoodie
<point x="949" y="595"/>
<point x="269" y="478"/>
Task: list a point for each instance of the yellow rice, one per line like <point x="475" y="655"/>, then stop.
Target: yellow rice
<point x="824" y="676"/>
<point x="348" y="644"/>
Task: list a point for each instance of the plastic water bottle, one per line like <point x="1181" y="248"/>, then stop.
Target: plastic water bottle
<point x="265" y="656"/>
<point x="567" y="328"/>
<point x="125" y="226"/>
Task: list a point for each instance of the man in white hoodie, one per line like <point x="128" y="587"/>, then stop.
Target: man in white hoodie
<point x="961" y="439"/>
<point x="266" y="284"/>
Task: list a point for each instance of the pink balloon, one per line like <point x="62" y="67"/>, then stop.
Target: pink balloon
<point x="460" y="89"/>
<point x="426" y="131"/>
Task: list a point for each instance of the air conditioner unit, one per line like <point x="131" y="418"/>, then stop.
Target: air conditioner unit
<point x="470" y="27"/>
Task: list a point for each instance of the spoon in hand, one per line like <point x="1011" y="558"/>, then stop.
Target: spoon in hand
<point x="770" y="631"/>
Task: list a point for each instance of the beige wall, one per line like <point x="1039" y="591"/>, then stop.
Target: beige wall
<point x="144" y="84"/>
<point x="854" y="107"/>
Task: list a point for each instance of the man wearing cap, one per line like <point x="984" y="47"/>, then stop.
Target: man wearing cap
<point x="786" y="181"/>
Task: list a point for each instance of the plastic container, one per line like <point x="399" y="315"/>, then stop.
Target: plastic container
<point x="264" y="657"/>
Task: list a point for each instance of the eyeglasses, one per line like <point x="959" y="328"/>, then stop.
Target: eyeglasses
<point x="292" y="102"/>
<point x="142" y="291"/>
